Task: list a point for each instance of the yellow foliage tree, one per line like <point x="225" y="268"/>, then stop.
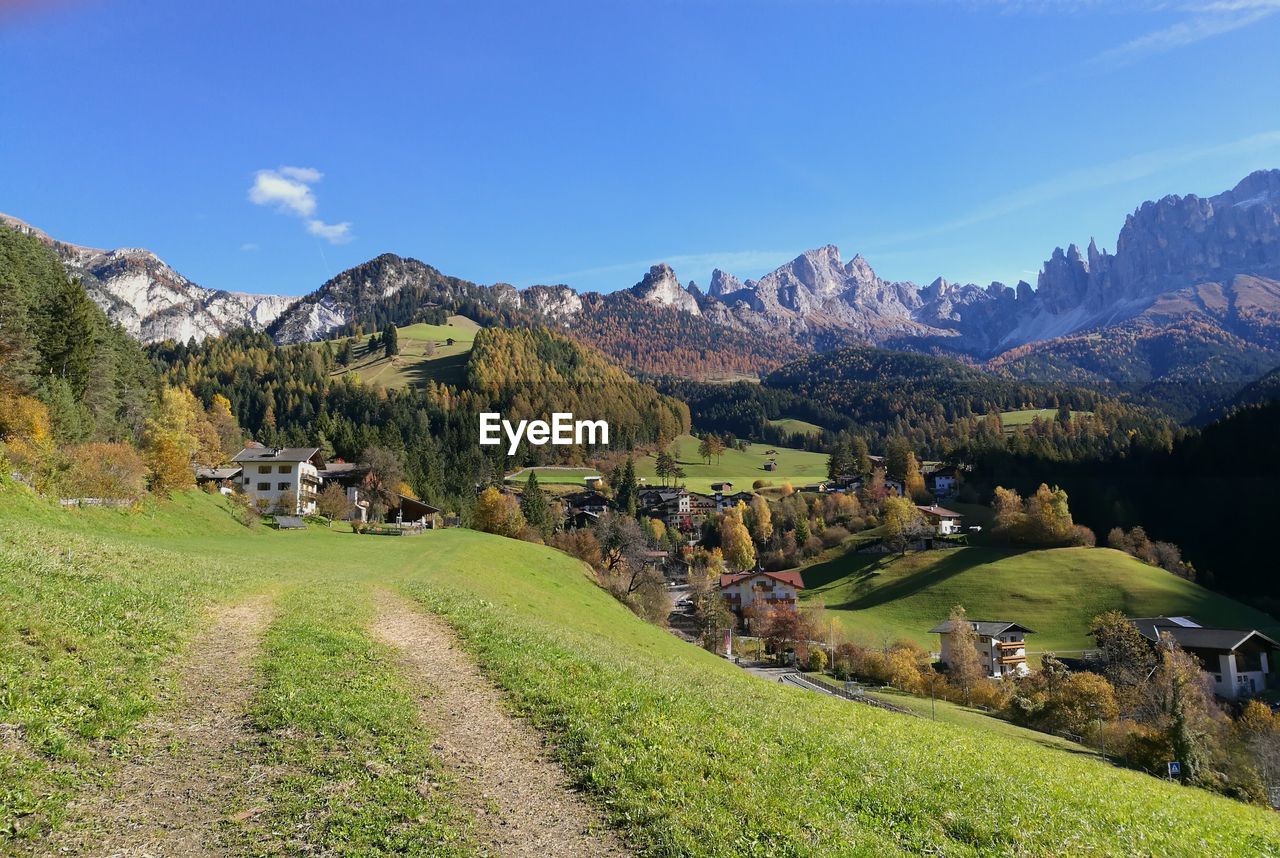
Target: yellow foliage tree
<point x="735" y="539"/>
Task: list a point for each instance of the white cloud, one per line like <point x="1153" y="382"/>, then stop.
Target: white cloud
<point x="283" y="190"/>
<point x="334" y="233"/>
<point x="1204" y="21"/>
<point x="288" y="191"/>
<point x="248" y="246"/>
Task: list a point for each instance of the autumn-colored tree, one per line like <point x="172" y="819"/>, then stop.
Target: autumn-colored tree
<point x="225" y="426"/>
<point x="170" y="444"/>
<point x="782" y="625"/>
<point x="760" y="520"/>
<point x="497" y="513"/>
<point x="1078" y="701"/>
<point x="27" y="435"/>
<point x="1127" y="657"/>
<point x="1183" y="704"/>
<point x="735" y="539"/>
<point x="333" y="503"/>
<point x="903" y="524"/>
<point x="964" y="667"/>
<point x="104" y="470"/>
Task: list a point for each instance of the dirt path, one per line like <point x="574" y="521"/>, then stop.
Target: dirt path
<point x="520" y="799"/>
<point x="183" y="775"/>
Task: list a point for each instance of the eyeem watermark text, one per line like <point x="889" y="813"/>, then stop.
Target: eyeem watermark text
<point x="562" y="431"/>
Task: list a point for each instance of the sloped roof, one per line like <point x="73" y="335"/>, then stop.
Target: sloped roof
<point x="983" y="627"/>
<point x="792" y="578"/>
<point x="217" y="473"/>
<point x="275" y="454"/>
<point x="940" y="512"/>
<point x="1195" y="637"/>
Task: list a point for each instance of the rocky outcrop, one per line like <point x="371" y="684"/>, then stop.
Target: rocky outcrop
<point x="661" y="287"/>
<point x="554" y="302"/>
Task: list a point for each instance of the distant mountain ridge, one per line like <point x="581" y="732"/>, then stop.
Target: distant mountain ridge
<point x="1193" y="289"/>
<point x="149" y="299"/>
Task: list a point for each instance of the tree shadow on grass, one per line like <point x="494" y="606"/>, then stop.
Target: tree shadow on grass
<point x="447" y="369"/>
<point x="947" y="567"/>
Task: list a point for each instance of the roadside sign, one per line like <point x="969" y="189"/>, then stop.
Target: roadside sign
<point x="1175" y="769"/>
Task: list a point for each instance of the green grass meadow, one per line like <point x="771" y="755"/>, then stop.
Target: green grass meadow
<point x="414" y="367"/>
<point x="742" y="468"/>
<point x="1056" y="592"/>
<point x="682" y="752"/>
<point x="1011" y="421"/>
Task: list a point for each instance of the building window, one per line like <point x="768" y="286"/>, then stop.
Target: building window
<point x="286" y="469"/>
<point x="246" y="481"/>
<point x="284" y="487"/>
<point x="264" y="469"/>
<point x="264" y="487"/>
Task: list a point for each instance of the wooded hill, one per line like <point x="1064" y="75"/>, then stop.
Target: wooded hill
<point x="288" y="395"/>
<point x="941" y="406"/>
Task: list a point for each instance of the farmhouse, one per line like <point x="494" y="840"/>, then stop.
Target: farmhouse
<point x="1237" y="660"/>
<point x="760" y="589"/>
<point x="943" y="521"/>
<point x="286" y="479"/>
<point x="1001" y="645"/>
<point x="942" y="482"/>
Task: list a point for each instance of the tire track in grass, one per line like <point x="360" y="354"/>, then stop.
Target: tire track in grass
<point x="169" y="797"/>
<point x="352" y="767"/>
<point x="520" y="798"/>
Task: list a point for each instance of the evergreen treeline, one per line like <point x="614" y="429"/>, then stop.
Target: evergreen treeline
<point x="58" y="347"/>
<point x="945" y="409"/>
<point x="1211" y="493"/>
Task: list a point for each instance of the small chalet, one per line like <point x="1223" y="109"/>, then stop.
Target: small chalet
<point x="760" y="589"/>
<point x="771" y="465"/>
<point x="722" y="488"/>
<point x="1001" y="645"/>
<point x="1237" y="660"/>
<point x="944" y="521"/>
<point x="286" y="478"/>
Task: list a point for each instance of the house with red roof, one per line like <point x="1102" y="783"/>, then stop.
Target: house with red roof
<point x="759" y="589"/>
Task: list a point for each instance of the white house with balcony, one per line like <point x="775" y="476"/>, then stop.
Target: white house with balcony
<point x="1237" y="661"/>
<point x="943" y="521"/>
<point x="1001" y="645"/>
<point x="284" y="479"/>
<point x="759" y="589"/>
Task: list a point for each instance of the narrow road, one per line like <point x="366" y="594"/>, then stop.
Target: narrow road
<point x="521" y="799"/>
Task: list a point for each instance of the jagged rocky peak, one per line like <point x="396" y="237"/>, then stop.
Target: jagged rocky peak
<point x="860" y="271"/>
<point x="723" y="283"/>
<point x="819" y="270"/>
<point x="660" y="286"/>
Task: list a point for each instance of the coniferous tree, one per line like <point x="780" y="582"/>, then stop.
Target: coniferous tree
<point x="534" y="507"/>
<point x="627" y="489"/>
<point x="390" y="341"/>
<point x="68" y="330"/>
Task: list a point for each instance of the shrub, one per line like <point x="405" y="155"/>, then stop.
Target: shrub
<point x="103" y="470"/>
<point x="817" y="660"/>
<point x="834" y="535"/>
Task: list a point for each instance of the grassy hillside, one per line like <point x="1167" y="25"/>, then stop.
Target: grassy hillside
<point x="683" y="752"/>
<point x="1055" y="592"/>
<point x="741" y="468"/>
<point x="796" y="427"/>
<point x="424" y="355"/>
<point x="1011" y="421"/>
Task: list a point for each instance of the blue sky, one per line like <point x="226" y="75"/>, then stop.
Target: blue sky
<point x="266" y="149"/>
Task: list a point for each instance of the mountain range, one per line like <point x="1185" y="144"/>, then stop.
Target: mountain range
<point x="1191" y="291"/>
